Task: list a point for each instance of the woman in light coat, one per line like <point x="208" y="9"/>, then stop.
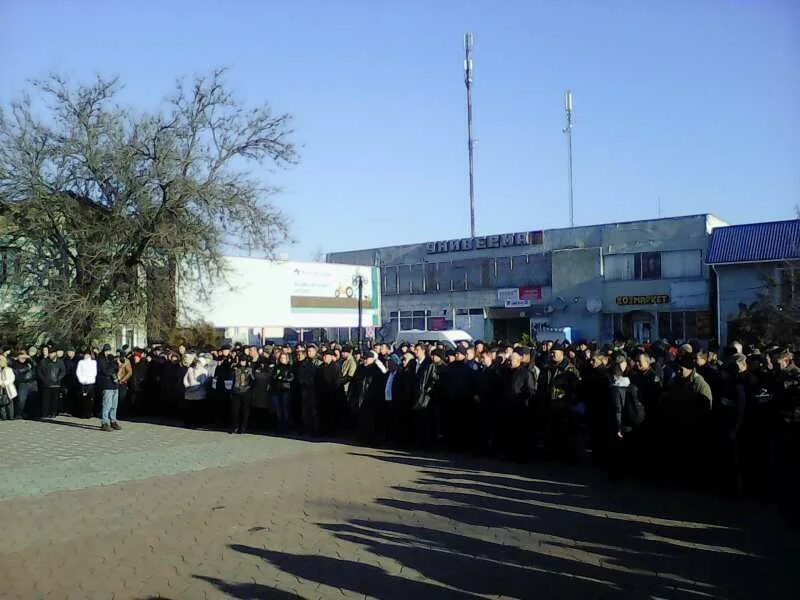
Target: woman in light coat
<point x="195" y="383"/>
<point x="7" y="390"/>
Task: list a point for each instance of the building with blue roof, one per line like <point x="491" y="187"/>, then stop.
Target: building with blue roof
<point x="752" y="262"/>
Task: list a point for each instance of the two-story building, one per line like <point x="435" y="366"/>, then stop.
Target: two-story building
<point x="752" y="262"/>
<point x="646" y="279"/>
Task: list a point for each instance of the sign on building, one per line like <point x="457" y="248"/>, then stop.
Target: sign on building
<point x="507" y="294"/>
<point x="525" y="238"/>
<point x="641" y="300"/>
<point x="517" y="303"/>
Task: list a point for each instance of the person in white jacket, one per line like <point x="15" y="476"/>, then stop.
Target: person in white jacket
<point x="195" y="383"/>
<point x="7" y="390"/>
<point x="87" y="377"/>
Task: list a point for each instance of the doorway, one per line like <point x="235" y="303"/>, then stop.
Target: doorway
<point x="641" y="325"/>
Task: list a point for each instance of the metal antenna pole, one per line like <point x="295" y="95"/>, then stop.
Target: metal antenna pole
<point x="568" y="131"/>
<point x="468" y="43"/>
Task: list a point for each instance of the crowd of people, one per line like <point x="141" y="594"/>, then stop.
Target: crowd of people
<point x="730" y="415"/>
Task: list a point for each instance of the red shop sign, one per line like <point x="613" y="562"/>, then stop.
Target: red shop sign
<point x="530" y="293"/>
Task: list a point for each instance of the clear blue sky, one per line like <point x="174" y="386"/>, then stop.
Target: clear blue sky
<point x="697" y="102"/>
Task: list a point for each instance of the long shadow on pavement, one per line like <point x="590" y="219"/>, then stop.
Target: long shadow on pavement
<point x="472" y="527"/>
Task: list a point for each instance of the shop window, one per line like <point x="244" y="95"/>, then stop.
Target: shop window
<point x="418" y="321"/>
<point x="406" y="320"/>
<point x="665" y="325"/>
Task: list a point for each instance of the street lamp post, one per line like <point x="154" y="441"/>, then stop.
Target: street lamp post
<point x="360" y="283"/>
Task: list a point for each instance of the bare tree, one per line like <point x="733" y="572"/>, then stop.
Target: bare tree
<point x="97" y="197"/>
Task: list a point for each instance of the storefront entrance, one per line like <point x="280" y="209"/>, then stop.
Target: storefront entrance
<point x="639" y="325"/>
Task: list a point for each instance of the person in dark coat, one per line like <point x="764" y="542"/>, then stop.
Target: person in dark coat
<point x="520" y="391"/>
<point x="138" y="383"/>
<point x="401" y="400"/>
<point x="70" y="385"/>
<point x="50" y="372"/>
<point x="423" y="395"/>
<point x="25" y="380"/>
<point x="595" y="388"/>
<point x="328" y="381"/>
<point x="557" y="392"/>
<point x="241" y="395"/>
<point x="649" y="388"/>
<point x="488" y="403"/>
<point x="623" y="439"/>
<point x="366" y="392"/>
<point x="281" y="388"/>
<point x="306" y="381"/>
<point x="108" y="385"/>
<point x="457" y="385"/>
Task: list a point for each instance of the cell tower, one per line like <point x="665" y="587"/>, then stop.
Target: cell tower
<point x="568" y="131"/>
<point x="468" y="44"/>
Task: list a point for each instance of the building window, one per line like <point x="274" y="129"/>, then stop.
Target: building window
<point x="619" y="266"/>
<point x="404" y="279"/>
<point x="647" y="265"/>
<point x="431" y="278"/>
<point x="389" y="281"/>
<point x="639" y="266"/>
<point x="417" y="276"/>
<point x="681" y="264"/>
<point x="683" y="325"/>
<point x="458" y="276"/>
<point x="503" y="275"/>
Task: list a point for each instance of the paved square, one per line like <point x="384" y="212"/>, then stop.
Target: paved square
<point x="156" y="511"/>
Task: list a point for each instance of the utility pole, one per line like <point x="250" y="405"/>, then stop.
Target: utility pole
<point x="468" y="44"/>
<point x="360" y="282"/>
<point x="568" y="131"/>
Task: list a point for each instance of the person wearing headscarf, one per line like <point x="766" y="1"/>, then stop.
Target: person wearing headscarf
<point x="195" y="383"/>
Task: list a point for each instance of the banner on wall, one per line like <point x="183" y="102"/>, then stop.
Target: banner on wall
<point x="261" y="293"/>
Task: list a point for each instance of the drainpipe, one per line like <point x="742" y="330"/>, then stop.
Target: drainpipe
<point x="719" y="314"/>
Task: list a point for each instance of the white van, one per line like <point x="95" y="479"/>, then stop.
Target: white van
<point x="449" y="337"/>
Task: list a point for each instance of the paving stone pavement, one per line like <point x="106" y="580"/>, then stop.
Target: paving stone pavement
<point x="156" y="511"/>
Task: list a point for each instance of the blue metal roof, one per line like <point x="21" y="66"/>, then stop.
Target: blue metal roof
<point x="754" y="242"/>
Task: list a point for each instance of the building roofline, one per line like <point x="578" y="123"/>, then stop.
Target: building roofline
<point x="705" y="215"/>
<point x="761" y="223"/>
